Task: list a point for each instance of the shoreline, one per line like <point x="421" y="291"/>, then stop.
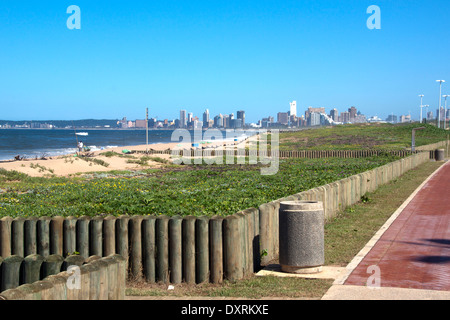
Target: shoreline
<point x="71" y="164"/>
<point x="68" y="150"/>
<point x="130" y="129"/>
<point x="157" y="146"/>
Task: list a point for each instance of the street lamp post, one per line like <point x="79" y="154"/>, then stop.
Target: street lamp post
<point x="440" y="101"/>
<point x="445" y="108"/>
<point x="146" y="130"/>
<point x="421" y="106"/>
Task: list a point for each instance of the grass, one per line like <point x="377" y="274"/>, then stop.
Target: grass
<point x="11" y="175"/>
<point x="345" y="236"/>
<point x="110" y="154"/>
<point x="159" y="159"/>
<point x="40" y="168"/>
<point x="252" y="288"/>
<point x="184" y="190"/>
<point x="91" y="161"/>
<point x="143" y="161"/>
<point x="361" y="136"/>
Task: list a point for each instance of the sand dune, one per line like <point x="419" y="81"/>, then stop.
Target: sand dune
<point x="72" y="164"/>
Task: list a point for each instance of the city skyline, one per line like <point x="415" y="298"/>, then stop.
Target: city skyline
<point x="312" y="117"/>
<point x="230" y="55"/>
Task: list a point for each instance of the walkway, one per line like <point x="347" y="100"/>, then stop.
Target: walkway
<point x="412" y="251"/>
<point x="408" y="258"/>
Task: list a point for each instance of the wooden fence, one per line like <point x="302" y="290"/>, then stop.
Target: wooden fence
<point x="46" y="278"/>
<point x="188" y="249"/>
<point x="309" y="154"/>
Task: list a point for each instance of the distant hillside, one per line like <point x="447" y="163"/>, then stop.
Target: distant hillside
<point x="86" y="123"/>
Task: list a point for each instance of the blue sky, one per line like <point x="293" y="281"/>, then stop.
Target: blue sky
<point x="222" y="55"/>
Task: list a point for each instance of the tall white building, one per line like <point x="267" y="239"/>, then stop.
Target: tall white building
<point x="293" y="109"/>
<point x="314" y="119"/>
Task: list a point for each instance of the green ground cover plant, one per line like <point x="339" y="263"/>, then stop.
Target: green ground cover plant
<point x="345" y="236"/>
<point x="381" y="136"/>
<point x="177" y="190"/>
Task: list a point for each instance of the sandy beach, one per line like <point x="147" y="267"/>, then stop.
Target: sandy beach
<point x="72" y="164"/>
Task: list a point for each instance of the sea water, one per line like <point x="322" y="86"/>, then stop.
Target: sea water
<point x="32" y="143"/>
<point x="37" y="143"/>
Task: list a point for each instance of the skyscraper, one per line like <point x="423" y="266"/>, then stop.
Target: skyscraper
<point x="226" y="121"/>
<point x="183" y="119"/>
<point x="218" y="121"/>
<point x="353" y="113"/>
<point x="206" y="119"/>
<point x="293" y="108"/>
<point x="334" y="115"/>
<point x="314" y="119"/>
<point x="311" y="110"/>
<point x="241" y="115"/>
<point x="345" y="117"/>
<point x="282" y="118"/>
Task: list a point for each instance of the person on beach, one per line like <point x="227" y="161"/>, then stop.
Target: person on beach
<point x="80" y="146"/>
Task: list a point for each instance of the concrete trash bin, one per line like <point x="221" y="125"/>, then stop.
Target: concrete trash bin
<point x="301" y="236"/>
<point x="439" y="154"/>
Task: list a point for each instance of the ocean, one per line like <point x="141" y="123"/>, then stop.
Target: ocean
<point x="32" y="143"/>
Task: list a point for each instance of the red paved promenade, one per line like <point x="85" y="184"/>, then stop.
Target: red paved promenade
<point x="414" y="252"/>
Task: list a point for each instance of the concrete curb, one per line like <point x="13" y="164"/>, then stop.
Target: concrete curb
<point x="341" y="292"/>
